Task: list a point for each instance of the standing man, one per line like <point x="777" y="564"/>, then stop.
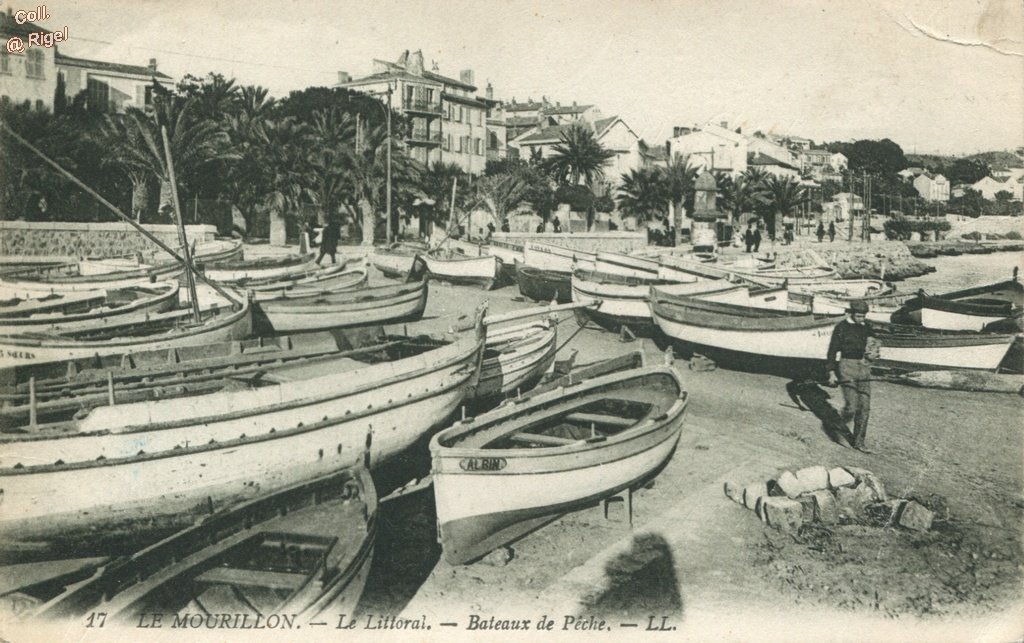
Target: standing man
<point x="757" y="238"/>
<point x="849" y="366"/>
<point x="831" y="231"/>
<point x="748" y="237"/>
<point x="329" y="241"/>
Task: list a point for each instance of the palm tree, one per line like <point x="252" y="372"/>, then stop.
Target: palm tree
<point x="194" y="142"/>
<point x="331" y="133"/>
<point x="123" y="141"/>
<point x="288" y="183"/>
<point x="252" y="101"/>
<point x="784" y="196"/>
<point x="738" y="195"/>
<point x="363" y="194"/>
<point x="578" y="156"/>
<point x="436" y="183"/>
<point x="641" y="193"/>
<point x="679" y="178"/>
<point x="501" y="194"/>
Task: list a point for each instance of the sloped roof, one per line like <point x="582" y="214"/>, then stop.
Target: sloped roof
<point x="566" y="109"/>
<point x="523" y="107"/>
<point x="447" y="81"/>
<point x="116" y="68"/>
<point x="518" y="121"/>
<point x="551" y="134"/>
<point x="760" y="158"/>
<point x="464" y="100"/>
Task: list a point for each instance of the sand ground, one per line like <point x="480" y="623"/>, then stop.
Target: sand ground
<point x="696" y="557"/>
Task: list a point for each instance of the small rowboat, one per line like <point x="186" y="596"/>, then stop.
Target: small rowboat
<point x="260" y="271"/>
<point x="126" y="304"/>
<point x="544" y="285"/>
<point x="624" y="299"/>
<point x="299" y="554"/>
<point x="504" y="474"/>
<point x="459" y="269"/>
<point x="399" y="261"/>
<point x="509" y="253"/>
<point x="969" y="309"/>
<point x="611" y="263"/>
<point x="315" y="285"/>
<point x="366" y="307"/>
<point x="515" y="358"/>
<point x="160" y="331"/>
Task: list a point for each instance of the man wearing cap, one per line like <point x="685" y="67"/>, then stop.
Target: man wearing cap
<point x="848" y="365"/>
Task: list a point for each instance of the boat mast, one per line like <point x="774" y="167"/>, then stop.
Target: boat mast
<point x="182" y="238"/>
<point x="117" y="212"/>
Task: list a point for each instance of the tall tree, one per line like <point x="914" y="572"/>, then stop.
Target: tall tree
<point x="501" y="194"/>
<point x="739" y="194"/>
<point x="640" y="194"/>
<point x="578" y="156"/>
<point x="679" y="177"/>
<point x="784" y="196"/>
<point x="331" y="134"/>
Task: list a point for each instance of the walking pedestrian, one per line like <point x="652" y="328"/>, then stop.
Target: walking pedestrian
<point x="329" y="241"/>
<point x="821" y="232"/>
<point x="748" y="238"/>
<point x="849" y="354"/>
<point x="831" y="231"/>
<point x="757" y="238"/>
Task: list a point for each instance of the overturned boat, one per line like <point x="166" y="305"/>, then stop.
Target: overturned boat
<point x="502" y="475"/>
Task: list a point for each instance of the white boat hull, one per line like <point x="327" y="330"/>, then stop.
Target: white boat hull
<point x="478" y="271"/>
<point x="945" y="320"/>
<point x="803" y="343"/>
<point x="318" y="313"/>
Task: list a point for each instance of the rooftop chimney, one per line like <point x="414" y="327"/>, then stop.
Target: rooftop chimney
<point x="466" y="76"/>
<point x="489" y="91"/>
<point x="343" y="77"/>
<point x="152" y="64"/>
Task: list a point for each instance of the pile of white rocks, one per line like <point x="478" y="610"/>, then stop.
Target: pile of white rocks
<point x="841" y="495"/>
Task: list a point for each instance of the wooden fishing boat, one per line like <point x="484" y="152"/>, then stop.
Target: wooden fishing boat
<point x="544" y="285"/>
<point x="831" y="297"/>
<point x="554" y="258"/>
<point x="623" y="300"/>
<point x="515" y="358"/>
<point x="294" y="555"/>
<point x="37" y="303"/>
<point x="160" y="331"/>
<point x="457" y="268"/>
<point x="504" y="474"/>
<point x="124" y="304"/>
<point x="262" y="270"/>
<point x="399" y="261"/>
<point x="759" y="330"/>
<point x="366" y="307"/>
<point x="160" y="464"/>
<point x="774" y="277"/>
<point x="96" y="274"/>
<point x="315" y="285"/>
<point x="59" y="391"/>
<point x="968" y="309"/>
<point x="509" y="253"/>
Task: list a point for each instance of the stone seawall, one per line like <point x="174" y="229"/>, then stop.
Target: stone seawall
<point x="927" y="250"/>
<point x="74" y="240"/>
<point x="889" y="260"/>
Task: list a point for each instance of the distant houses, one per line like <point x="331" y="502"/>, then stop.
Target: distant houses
<point x="990" y="186"/>
<point x="932" y="187"/>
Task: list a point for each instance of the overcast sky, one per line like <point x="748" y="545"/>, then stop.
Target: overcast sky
<point x="931" y="75"/>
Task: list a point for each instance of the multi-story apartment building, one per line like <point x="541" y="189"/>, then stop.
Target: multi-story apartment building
<point x="932" y="187"/>
<point x="711" y="147"/>
<point x="448" y="121"/>
<point x="523" y="117"/>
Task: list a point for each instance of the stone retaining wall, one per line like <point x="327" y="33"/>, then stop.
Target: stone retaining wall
<point x="625" y="242"/>
<point x="66" y="239"/>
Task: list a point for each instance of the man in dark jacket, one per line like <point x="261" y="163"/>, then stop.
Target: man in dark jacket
<point x="329" y="241"/>
<point x="849" y="366"/>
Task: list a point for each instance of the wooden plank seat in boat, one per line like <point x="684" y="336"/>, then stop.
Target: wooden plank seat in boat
<point x="600" y="418"/>
<point x="536" y="438"/>
<point x="240" y="577"/>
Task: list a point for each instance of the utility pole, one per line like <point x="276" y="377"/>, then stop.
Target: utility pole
<point x="388" y="197"/>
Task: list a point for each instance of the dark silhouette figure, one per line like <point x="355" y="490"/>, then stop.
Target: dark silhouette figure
<point x="504" y="226"/>
<point x="821" y="232"/>
<point x="556" y="224"/>
<point x="329" y="241"/>
<point x="831" y="231"/>
<point x="757" y="238"/>
<point x="748" y="238"/>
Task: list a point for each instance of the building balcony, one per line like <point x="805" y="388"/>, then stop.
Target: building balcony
<point x="423" y="137"/>
<point x="421" y="106"/>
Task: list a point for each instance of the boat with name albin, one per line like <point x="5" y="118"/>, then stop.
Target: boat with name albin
<point x="389" y="304"/>
<point x="504" y="474"/>
<point x="298" y="553"/>
<point x="162" y="463"/>
<point x="58" y="313"/>
<point x="759" y="330"/>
